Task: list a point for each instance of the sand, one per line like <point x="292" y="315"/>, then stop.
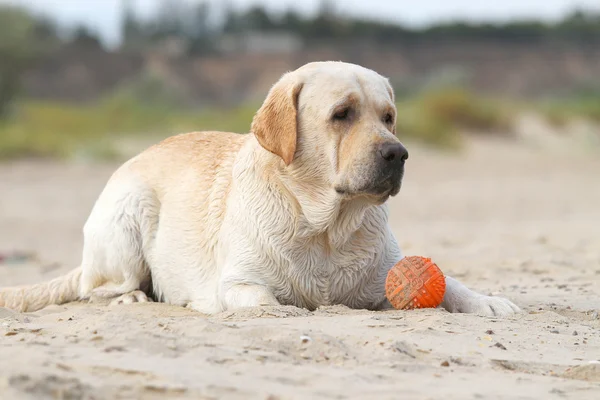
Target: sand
<point x="505" y="218"/>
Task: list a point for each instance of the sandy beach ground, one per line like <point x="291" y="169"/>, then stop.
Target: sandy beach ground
<point x="505" y="218"/>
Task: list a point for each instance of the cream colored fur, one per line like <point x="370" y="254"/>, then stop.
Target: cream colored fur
<point x="216" y="221"/>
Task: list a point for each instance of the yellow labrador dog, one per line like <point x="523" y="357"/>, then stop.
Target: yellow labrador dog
<point x="293" y="213"/>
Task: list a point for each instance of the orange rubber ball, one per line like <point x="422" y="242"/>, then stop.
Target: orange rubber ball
<point x="415" y="282"/>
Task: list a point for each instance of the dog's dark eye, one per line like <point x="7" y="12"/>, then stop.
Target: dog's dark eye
<point x="342" y="115"/>
<point x="388" y="118"/>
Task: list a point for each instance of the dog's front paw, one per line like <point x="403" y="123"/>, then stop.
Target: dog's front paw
<point x="460" y="299"/>
<point x="137" y="296"/>
<point x="488" y="306"/>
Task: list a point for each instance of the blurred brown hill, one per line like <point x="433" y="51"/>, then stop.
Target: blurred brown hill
<point x="526" y="69"/>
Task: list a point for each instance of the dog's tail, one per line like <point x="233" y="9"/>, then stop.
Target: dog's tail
<point x="35" y="297"/>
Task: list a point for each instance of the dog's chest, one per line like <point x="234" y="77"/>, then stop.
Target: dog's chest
<point x="320" y="274"/>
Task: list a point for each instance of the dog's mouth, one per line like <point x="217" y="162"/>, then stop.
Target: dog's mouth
<point x="378" y="191"/>
<point x="384" y="195"/>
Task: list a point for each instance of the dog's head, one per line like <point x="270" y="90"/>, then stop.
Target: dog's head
<point x="335" y="122"/>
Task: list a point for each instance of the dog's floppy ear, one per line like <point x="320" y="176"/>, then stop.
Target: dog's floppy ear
<point x="275" y="124"/>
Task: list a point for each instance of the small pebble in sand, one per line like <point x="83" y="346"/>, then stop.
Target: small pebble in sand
<point x="575" y="333"/>
<point x="305" y="339"/>
<point x="445" y="364"/>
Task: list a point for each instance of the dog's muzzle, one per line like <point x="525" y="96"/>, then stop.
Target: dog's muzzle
<point x="390" y="159"/>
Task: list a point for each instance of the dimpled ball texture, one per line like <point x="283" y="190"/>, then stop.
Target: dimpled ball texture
<point x="415" y="282"/>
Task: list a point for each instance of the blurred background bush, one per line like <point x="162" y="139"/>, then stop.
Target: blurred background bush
<point x="194" y="65"/>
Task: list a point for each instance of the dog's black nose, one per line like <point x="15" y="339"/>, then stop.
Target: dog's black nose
<point x="393" y="152"/>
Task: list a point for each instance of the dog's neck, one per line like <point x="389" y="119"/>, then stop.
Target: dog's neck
<point x="318" y="209"/>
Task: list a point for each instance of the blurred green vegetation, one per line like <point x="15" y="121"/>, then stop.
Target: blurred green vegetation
<point x="16" y="51"/>
<point x="438" y="117"/>
<point x="23" y="40"/>
<point x="56" y="130"/>
<point x="559" y="114"/>
<point x="191" y="20"/>
<point x="578" y="25"/>
<point x="560" y="111"/>
<point x="43" y="129"/>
